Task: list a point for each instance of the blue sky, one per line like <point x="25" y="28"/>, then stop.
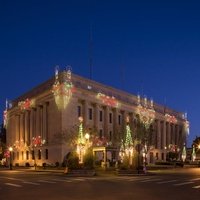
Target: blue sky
<point x="156" y="43"/>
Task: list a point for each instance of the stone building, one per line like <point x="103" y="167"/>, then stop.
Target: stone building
<point x="41" y="123"/>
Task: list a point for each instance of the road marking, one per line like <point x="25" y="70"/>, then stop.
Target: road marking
<point x="15" y="179"/>
<point x="150" y="180"/>
<point x="14" y="185"/>
<point x="43" y="181"/>
<point x="31" y="183"/>
<point x="195" y="179"/>
<point x="171" y="181"/>
<point x="137" y="178"/>
<point x="185" y="183"/>
<point x="79" y="179"/>
<point x="61" y="180"/>
<point x="196" y="187"/>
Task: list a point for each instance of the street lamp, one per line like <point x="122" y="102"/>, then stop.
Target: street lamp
<point x="10" y="150"/>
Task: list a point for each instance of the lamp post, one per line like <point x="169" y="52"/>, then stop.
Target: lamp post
<point x="10" y="150"/>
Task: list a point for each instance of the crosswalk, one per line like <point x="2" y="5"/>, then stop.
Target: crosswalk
<point x="19" y="183"/>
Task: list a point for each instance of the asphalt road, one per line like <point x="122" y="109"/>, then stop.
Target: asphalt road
<point x="183" y="184"/>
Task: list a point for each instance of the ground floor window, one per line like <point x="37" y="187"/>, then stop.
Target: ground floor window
<point x="46" y="154"/>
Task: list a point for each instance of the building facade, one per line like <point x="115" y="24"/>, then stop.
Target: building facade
<point x="41" y="123"/>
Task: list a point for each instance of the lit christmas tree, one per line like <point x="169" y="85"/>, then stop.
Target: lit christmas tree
<point x="81" y="148"/>
<point x="184" y="154"/>
<point x="128" y="139"/>
<point x="193" y="153"/>
<point x="128" y="145"/>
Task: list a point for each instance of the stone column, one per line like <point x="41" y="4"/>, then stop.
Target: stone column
<point x="164" y="139"/>
<point x="96" y="116"/>
<point x="21" y="127"/>
<point x="115" y="125"/>
<point x="26" y="126"/>
<point x="85" y="112"/>
<point x="158" y="134"/>
<point x="44" y="121"/>
<point x="169" y="133"/>
<point x="106" y="121"/>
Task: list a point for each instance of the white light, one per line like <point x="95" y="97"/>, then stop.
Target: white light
<point x="10" y="149"/>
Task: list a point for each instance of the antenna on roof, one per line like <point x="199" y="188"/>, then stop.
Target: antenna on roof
<point x="91" y="52"/>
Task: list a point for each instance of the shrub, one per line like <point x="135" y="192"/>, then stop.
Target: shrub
<point x="57" y="164"/>
<point x="73" y="161"/>
<point x="88" y="160"/>
<point x="44" y="165"/>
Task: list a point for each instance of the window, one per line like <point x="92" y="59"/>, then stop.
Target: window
<point x="119" y="119"/>
<point x="46" y="154"/>
<point x="90" y="113"/>
<point x="100" y="115"/>
<point x="100" y="133"/>
<point x="27" y="155"/>
<point x="110" y="118"/>
<point x="17" y="155"/>
<point x="162" y="156"/>
<point x="110" y="135"/>
<point x="156" y="156"/>
<point x="33" y="155"/>
<point x="79" y="111"/>
<point x="39" y="154"/>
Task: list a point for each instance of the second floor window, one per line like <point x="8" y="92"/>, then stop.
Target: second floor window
<point x="110" y="118"/>
<point x="90" y="113"/>
<point x="100" y="115"/>
<point x="79" y="111"/>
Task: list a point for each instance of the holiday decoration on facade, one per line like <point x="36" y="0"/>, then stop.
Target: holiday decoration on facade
<point x="173" y="148"/>
<point x="146" y="113"/>
<point x="99" y="142"/>
<point x="5" y="118"/>
<point x="37" y="141"/>
<point x="184" y="154"/>
<point x="193" y="153"/>
<point x="27" y="104"/>
<point x="62" y="91"/>
<point x="186" y="124"/>
<point x="5" y="115"/>
<point x="20" y="145"/>
<point x="170" y="118"/>
<point x="187" y="127"/>
<point x="107" y="100"/>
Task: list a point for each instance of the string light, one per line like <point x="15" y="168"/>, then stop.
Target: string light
<point x="146" y="114"/>
<point x="62" y="91"/>
<point x="27" y="104"/>
<point x="109" y="101"/>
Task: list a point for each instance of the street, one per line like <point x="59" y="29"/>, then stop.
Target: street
<point x="181" y="184"/>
